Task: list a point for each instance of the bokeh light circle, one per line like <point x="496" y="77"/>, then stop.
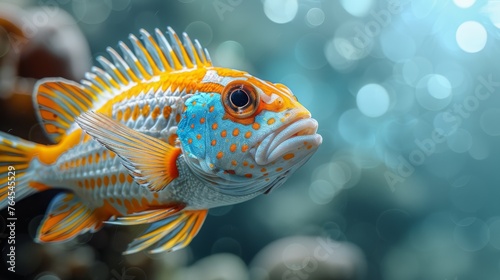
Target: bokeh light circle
<point x="340" y="173"/>
<point x="455" y="73"/>
<point x="464" y="3"/>
<point x="201" y="31"/>
<point x="493" y="10"/>
<point x="471" y="36"/>
<point x="281" y="11"/>
<point x="415" y="69"/>
<point x="439" y="86"/>
<point x="373" y="100"/>
<point x="315" y="16"/>
<point x="358" y="8"/>
<point x="230" y="54"/>
<point x="322" y="191"/>
<point x="427" y="91"/>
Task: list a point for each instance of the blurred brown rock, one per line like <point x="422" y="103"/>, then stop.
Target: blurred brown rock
<point x="35" y="43"/>
<point x="309" y="257"/>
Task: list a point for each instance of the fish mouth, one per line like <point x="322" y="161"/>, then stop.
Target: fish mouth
<point x="299" y="132"/>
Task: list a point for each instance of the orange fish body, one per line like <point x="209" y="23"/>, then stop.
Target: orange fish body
<point x="158" y="136"/>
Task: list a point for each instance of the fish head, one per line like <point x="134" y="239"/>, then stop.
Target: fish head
<point x="239" y="130"/>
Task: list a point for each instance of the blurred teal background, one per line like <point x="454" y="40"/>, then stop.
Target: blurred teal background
<point x="406" y="182"/>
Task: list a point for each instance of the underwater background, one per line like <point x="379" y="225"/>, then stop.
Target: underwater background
<point x="406" y="184"/>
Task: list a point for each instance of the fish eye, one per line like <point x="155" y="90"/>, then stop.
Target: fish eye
<point x="240" y="99"/>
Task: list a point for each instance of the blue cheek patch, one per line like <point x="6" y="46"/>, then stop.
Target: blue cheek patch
<point x="204" y="133"/>
<point x="193" y="127"/>
<point x="222" y="145"/>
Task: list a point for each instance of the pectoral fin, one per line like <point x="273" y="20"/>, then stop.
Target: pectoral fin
<point x="152" y="162"/>
<point x="170" y="234"/>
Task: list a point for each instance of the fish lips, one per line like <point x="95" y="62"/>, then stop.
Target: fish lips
<point x="288" y="139"/>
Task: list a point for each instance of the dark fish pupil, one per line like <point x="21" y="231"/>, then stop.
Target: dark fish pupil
<point x="239" y="98"/>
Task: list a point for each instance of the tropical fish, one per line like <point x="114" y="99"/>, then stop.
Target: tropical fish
<point x="157" y="136"/>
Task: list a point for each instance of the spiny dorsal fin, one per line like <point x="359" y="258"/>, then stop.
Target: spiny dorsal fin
<point x="60" y="101"/>
<point x="151" y="57"/>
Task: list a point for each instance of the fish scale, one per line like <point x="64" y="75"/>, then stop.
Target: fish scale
<point x="74" y="177"/>
<point x="163" y="113"/>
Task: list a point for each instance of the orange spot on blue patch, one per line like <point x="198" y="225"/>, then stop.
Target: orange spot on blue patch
<point x="220" y="155"/>
<point x="244" y="148"/>
<point x="232" y="148"/>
